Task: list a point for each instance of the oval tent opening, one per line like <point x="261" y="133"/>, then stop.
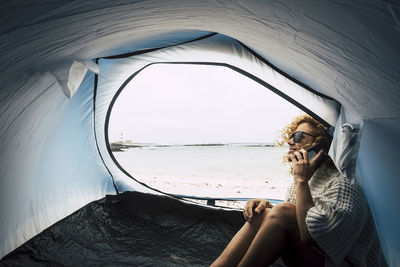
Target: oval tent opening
<point x="201" y="131"/>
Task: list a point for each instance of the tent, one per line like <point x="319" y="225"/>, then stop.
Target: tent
<point x="64" y="63"/>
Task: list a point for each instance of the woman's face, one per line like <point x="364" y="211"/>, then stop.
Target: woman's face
<point x="306" y="139"/>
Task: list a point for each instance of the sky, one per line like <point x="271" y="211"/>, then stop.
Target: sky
<point x="192" y="104"/>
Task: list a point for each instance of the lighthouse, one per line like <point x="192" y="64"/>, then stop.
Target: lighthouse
<point x="121" y="139"/>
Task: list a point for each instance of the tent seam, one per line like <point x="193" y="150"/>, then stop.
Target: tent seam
<point x="94" y="128"/>
<point x="139" y="52"/>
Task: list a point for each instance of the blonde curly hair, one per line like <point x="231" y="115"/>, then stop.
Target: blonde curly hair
<point x="319" y="131"/>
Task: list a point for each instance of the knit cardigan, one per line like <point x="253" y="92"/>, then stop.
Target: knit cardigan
<point x="340" y="222"/>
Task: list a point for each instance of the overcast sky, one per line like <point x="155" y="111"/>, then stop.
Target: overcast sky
<point x="187" y="104"/>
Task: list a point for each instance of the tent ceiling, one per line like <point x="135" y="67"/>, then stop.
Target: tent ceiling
<point x="339" y="48"/>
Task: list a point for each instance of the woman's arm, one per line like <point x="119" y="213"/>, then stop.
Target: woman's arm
<point x="303" y="169"/>
<point x="303" y="203"/>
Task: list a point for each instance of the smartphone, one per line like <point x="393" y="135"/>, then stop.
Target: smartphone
<point x="313" y="150"/>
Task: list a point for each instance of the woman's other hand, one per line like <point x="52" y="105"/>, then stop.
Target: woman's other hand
<point x="254" y="207"/>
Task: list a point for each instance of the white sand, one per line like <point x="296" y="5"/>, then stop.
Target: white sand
<point x="220" y="188"/>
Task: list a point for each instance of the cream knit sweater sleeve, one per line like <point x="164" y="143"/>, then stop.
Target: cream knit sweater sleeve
<point x="338" y="217"/>
<point x="339" y="214"/>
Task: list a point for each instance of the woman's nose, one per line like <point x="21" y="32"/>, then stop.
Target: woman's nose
<point x="290" y="141"/>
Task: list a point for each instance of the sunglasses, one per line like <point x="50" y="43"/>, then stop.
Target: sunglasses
<point x="297" y="136"/>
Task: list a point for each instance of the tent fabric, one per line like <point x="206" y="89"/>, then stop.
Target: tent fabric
<point x="344" y="148"/>
<point x="304" y="39"/>
<point x="50" y="160"/>
<point x="132" y="229"/>
<point x="376" y="137"/>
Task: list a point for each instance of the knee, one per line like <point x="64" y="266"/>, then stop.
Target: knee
<point x="283" y="213"/>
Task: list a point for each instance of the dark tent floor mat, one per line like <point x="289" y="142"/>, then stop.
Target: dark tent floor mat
<point x="132" y="229"/>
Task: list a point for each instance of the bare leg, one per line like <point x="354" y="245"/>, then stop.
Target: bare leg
<point x="274" y="235"/>
<point x="239" y="244"/>
<point x="278" y="236"/>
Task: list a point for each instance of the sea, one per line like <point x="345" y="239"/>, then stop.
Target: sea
<point x="210" y="170"/>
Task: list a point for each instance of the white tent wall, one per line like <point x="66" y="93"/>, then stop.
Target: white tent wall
<point x="379" y="177"/>
<point x="49" y="164"/>
<point x="347" y="50"/>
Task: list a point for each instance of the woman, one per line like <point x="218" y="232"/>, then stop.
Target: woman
<point x="324" y="221"/>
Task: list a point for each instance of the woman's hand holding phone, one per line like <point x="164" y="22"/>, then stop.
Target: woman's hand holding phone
<point x="313" y="150"/>
<point x="303" y="168"/>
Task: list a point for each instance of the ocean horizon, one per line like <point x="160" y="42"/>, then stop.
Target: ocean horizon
<point x="244" y="144"/>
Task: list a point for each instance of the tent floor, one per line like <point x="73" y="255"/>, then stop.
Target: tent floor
<point x="132" y="229"/>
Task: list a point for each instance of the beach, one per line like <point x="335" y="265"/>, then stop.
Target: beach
<point x="214" y="171"/>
